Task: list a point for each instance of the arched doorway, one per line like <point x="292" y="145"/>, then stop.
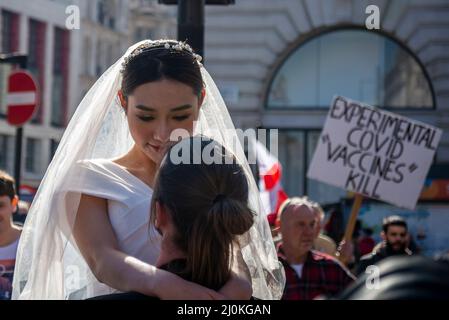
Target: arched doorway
<point x="371" y="67"/>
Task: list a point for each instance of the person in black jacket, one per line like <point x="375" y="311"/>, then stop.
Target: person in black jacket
<point x="403" y="278"/>
<point x="394" y="235"/>
<point x="199" y="210"/>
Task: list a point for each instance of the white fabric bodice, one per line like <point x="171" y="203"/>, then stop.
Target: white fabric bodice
<point x="129" y="201"/>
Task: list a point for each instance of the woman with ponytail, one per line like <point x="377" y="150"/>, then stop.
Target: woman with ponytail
<point x="199" y="210"/>
<point x="88" y="230"/>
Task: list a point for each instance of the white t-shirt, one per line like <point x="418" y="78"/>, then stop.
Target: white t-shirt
<point x="7" y="263"/>
<point x="298" y="269"/>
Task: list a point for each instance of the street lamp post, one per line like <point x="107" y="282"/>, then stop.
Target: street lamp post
<point x="191" y="23"/>
<point x="191" y="20"/>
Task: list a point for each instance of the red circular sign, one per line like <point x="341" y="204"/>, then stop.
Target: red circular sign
<point x="21" y="99"/>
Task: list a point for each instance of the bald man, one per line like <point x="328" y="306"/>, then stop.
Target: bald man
<point x="309" y="274"/>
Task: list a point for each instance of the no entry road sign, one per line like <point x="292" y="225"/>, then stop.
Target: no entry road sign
<point x="21" y="98"/>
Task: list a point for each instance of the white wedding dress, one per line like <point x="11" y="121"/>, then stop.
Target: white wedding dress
<point x="128" y="200"/>
<point x="50" y="266"/>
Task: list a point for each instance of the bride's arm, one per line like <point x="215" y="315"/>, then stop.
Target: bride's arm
<point x="98" y="245"/>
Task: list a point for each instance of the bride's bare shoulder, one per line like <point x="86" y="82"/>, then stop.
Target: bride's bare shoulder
<point x="122" y="160"/>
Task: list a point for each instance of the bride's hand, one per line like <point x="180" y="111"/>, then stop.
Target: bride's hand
<point x="171" y="287"/>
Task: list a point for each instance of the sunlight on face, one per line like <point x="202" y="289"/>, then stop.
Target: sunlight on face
<point x="156" y="109"/>
<point x="6" y="209"/>
<point x="298" y="227"/>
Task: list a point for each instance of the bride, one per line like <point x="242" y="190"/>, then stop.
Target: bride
<point x="87" y="232"/>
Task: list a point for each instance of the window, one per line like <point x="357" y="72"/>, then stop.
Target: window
<point x="5" y="71"/>
<point x="101" y="11"/>
<point x="142" y="33"/>
<point x="291" y="142"/>
<point x="60" y="77"/>
<point x="33" y="155"/>
<point x="106" y="13"/>
<point x="99" y="59"/>
<point x="300" y="145"/>
<point x="9" y="43"/>
<point x="87" y="55"/>
<point x="5" y="151"/>
<point x="139" y="34"/>
<point x="10" y="32"/>
<point x="361" y="65"/>
<point x="36" y="61"/>
<point x="53" y="146"/>
<point x="110" y="54"/>
<point x="91" y="10"/>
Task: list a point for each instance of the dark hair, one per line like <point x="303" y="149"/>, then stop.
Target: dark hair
<point x="368" y="232"/>
<point x="157" y="63"/>
<point x="208" y="204"/>
<point x="7" y="185"/>
<point x="393" y="221"/>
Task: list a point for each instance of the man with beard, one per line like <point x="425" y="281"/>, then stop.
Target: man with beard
<point x="394" y="235"/>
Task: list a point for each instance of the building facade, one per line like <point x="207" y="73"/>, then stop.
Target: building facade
<point x="279" y="63"/>
<point x="151" y="20"/>
<point x="30" y="29"/>
<point x="65" y="62"/>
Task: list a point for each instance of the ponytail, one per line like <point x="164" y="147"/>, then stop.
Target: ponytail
<point x="208" y="204"/>
<point x="211" y="241"/>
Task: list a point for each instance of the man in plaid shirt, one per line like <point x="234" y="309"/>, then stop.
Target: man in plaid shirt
<point x="309" y="273"/>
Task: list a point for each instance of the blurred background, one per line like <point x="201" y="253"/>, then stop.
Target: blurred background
<point x="278" y="63"/>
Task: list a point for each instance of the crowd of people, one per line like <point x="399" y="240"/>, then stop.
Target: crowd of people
<point x="315" y="266"/>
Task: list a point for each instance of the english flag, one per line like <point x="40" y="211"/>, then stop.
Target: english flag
<point x="270" y="172"/>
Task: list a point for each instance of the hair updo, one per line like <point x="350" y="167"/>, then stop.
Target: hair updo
<point x="161" y="59"/>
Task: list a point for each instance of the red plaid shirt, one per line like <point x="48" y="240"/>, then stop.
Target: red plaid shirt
<point x="322" y="274"/>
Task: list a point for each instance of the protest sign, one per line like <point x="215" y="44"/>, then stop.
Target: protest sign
<point x="374" y="153"/>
